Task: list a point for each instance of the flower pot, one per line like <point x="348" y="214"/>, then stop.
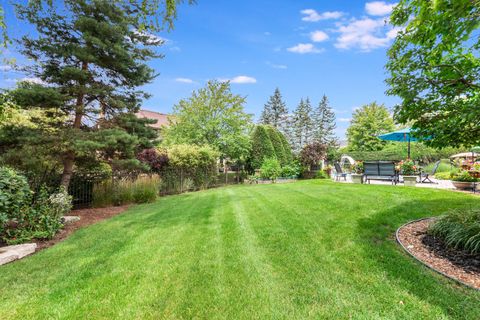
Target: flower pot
<point x="357" y="178"/>
<point x="410" y="181"/>
<point x="462" y="185"/>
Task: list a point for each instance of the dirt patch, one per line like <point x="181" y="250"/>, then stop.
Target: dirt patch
<point x="430" y="250"/>
<point x="87" y="217"/>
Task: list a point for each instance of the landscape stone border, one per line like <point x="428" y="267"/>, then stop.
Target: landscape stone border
<point x="16" y="252"/>
<point x="424" y="263"/>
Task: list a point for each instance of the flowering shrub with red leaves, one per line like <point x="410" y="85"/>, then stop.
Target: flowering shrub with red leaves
<point x="154" y="159"/>
<point x="312" y="154"/>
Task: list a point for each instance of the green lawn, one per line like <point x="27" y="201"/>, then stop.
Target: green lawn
<point x="312" y="249"/>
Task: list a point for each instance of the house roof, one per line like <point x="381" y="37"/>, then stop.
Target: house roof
<point x="162" y="118"/>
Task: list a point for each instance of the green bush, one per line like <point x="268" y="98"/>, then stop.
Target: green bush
<point x="270" y="169"/>
<point x="321" y="174"/>
<point x="277" y="143"/>
<point x="444" y="175"/>
<point x="189" y="167"/>
<point x="459" y="229"/>
<point x="292" y="170"/>
<point x="24" y="216"/>
<point x="444" y="166"/>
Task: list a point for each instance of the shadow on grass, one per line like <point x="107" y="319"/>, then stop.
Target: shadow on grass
<point x="377" y="239"/>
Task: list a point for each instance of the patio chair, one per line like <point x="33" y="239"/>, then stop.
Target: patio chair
<point x="339" y="172"/>
<point x="426" y="175"/>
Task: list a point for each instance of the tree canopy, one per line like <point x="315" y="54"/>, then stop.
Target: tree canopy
<point x="90" y="59"/>
<point x="434" y="67"/>
<point x="275" y="111"/>
<point x="367" y="123"/>
<point x="213" y="116"/>
<point x="324" y="123"/>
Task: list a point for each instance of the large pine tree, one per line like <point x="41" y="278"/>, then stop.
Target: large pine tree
<point x="303" y="125"/>
<point x="324" y="123"/>
<point x="274" y="111"/>
<point x="90" y="56"/>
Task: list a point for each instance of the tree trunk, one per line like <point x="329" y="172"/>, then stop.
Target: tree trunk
<point x="69" y="158"/>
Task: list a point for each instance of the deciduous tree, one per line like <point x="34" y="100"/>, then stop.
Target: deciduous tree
<point x="434" y="67"/>
<point x="367" y="123"/>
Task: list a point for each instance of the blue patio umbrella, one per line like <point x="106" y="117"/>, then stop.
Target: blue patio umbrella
<point x="403" y="135"/>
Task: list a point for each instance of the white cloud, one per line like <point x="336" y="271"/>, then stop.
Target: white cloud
<point x="240" y="80"/>
<point x="379" y="8"/>
<point x="184" y="80"/>
<point x="5" y="68"/>
<point x="303" y="48"/>
<point x="366" y="34"/>
<point x="318" y="36"/>
<point x="32" y="80"/>
<point x="276" y="66"/>
<point x="344" y="119"/>
<point x="266" y="33"/>
<point x="312" y="15"/>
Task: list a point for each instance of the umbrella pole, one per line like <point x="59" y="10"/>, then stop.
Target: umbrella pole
<point x="409" y="147"/>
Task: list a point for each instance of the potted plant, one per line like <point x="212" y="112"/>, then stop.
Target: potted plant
<point x="357" y="172"/>
<point x="464" y="181"/>
<point x="409" y="172"/>
<point x="328" y="170"/>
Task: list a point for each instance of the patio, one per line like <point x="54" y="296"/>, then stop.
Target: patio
<point x="437" y="184"/>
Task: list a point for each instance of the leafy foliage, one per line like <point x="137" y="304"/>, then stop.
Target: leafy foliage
<point x="154" y="159"/>
<point x="464" y="176"/>
<point x="312" y="154"/>
<point x="262" y="147"/>
<point x="434" y="67"/>
<point x="291" y="170"/>
<point x="212" y="116"/>
<point x="367" y="123"/>
<point x="270" y="169"/>
<point x="20" y="220"/>
<point x="91" y="58"/>
<point x="460" y="229"/>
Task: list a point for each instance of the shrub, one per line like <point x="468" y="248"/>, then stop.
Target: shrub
<point x="321" y="174"/>
<point x="459" y="229"/>
<point x="312" y="154"/>
<point x="444" y="166"/>
<point x="20" y="219"/>
<point x="262" y="147"/>
<point x="270" y="169"/>
<point x="15" y="194"/>
<point x="444" y="175"/>
<point x="154" y="159"/>
<point x="292" y="170"/>
<point x="60" y="203"/>
<point x="278" y="145"/>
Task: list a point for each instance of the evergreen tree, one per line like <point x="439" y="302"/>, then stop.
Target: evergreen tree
<point x="303" y="125"/>
<point x="92" y="57"/>
<point x="324" y="123"/>
<point x="278" y="147"/>
<point x="274" y="111"/>
<point x="262" y="147"/>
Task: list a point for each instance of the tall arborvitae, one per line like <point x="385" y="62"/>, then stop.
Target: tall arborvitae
<point x="274" y="111"/>
<point x="302" y="125"/>
<point x="324" y="123"/>
<point x="91" y="59"/>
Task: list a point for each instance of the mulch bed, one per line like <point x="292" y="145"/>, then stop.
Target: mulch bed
<point x="87" y="217"/>
<point x="433" y="252"/>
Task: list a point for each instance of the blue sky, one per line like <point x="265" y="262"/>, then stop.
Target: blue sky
<point x="306" y="48"/>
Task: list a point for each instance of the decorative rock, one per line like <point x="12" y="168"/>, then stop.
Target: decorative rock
<point x="12" y="253"/>
<point x="70" y="219"/>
